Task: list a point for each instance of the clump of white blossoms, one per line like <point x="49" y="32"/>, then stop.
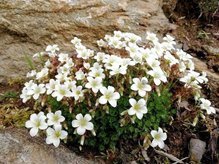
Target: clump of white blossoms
<point x="82" y="87"/>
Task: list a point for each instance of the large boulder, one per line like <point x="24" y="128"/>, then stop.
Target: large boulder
<point x="18" y="147"/>
<point x="27" y="26"/>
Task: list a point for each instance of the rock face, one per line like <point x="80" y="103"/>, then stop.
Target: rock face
<point x="18" y="147"/>
<point x="27" y="26"/>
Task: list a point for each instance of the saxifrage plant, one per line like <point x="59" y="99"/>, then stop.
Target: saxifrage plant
<point x="122" y="91"/>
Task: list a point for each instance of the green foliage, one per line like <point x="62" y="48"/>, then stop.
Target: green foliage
<point x="107" y="127"/>
<point x="8" y="94"/>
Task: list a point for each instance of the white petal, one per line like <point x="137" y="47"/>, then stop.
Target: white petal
<point x="136" y="80"/>
<point x="131" y="111"/>
<point x="139" y="115"/>
<point x="50" y="131"/>
<point x="33" y="132"/>
<point x="89" y="126"/>
<point x="161" y="144"/>
<point x="50" y="115"/>
<point x="75" y="123"/>
<point x="87" y="117"/>
<point x="111" y="89"/>
<point x="116" y="95"/>
<point x="48" y="140"/>
<point x="164" y="136"/>
<point x="113" y="103"/>
<point x="63" y="134"/>
<point x="102" y="100"/>
<point x="58" y="112"/>
<point x="56" y="142"/>
<point x="153" y="133"/>
<point x="103" y="90"/>
<point x="157" y="81"/>
<point x="29" y="124"/>
<point x="141" y="93"/>
<point x="132" y="101"/>
<point x="134" y="87"/>
<point x="33" y="117"/>
<point x="43" y="125"/>
<point x="79" y="116"/>
<point x="80" y="130"/>
<point x="154" y="143"/>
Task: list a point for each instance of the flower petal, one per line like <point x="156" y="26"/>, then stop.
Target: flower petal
<point x="33" y="132"/>
<point x="87" y="117"/>
<point x="102" y="100"/>
<point x="90" y="126"/>
<point x="79" y="116"/>
<point x="75" y="123"/>
<point x="80" y="130"/>
<point x="154" y="143"/>
<point x="132" y="101"/>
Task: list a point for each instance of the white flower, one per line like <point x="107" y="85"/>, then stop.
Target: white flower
<point x="80" y="75"/>
<point x="61" y="91"/>
<point x="115" y="42"/>
<point x="138" y="108"/>
<point x="48" y="63"/>
<point x="44" y="72"/>
<point x="169" y="39"/>
<point x="52" y="48"/>
<point x="99" y="56"/>
<point x="158" y="76"/>
<point x="62" y="77"/>
<point x="170" y="58"/>
<point x="38" y="54"/>
<point x="86" y="65"/>
<point x="24" y="95"/>
<point x="82" y="123"/>
<point x="76" y="41"/>
<point x="55" y="135"/>
<point x="64" y="70"/>
<point x="109" y="95"/>
<point x="37" y="90"/>
<point x="153" y="63"/>
<point x="70" y="84"/>
<point x="117" y="69"/>
<point x="141" y="85"/>
<point x="78" y="92"/>
<point x="118" y="34"/>
<point x="55" y="118"/>
<point x="94" y="83"/>
<point x="206" y="105"/>
<point x="97" y="73"/>
<point x="158" y="138"/>
<point x="85" y="53"/>
<point x="101" y="43"/>
<point x="31" y="73"/>
<point x="63" y="57"/>
<point x="36" y="122"/>
<point x="69" y="63"/>
<point x="152" y="37"/>
<point x="130" y="37"/>
<point x="111" y="60"/>
<point x="51" y="86"/>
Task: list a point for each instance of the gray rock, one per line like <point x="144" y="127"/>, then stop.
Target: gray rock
<point x="17" y="147"/>
<point x="27" y="26"/>
<point x="211" y="50"/>
<point x="196" y="149"/>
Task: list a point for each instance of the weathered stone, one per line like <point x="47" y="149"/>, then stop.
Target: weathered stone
<point x="196" y="150"/>
<point x="27" y="26"/>
<point x="18" y="147"/>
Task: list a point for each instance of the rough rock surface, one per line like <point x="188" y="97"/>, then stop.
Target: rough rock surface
<point x="18" y="147"/>
<point x="27" y="26"/>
